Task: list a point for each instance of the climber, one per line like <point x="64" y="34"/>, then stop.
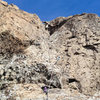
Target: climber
<point x="45" y="90"/>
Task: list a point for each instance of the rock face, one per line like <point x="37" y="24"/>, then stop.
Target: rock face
<point x="63" y="54"/>
<point x="78" y="43"/>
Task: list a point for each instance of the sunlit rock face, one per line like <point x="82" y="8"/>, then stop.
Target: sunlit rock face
<point x="77" y="41"/>
<point x="63" y="54"/>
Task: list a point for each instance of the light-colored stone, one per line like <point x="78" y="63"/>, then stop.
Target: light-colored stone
<point x="4" y="3"/>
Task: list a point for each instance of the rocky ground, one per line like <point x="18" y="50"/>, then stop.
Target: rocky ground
<point x="63" y="54"/>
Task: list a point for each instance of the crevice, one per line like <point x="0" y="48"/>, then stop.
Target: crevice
<point x="51" y="28"/>
<point x="73" y="36"/>
<point x="76" y="53"/>
<point x="71" y="80"/>
<point x="92" y="47"/>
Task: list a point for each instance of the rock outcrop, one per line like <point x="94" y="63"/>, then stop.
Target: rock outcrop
<point x="63" y="54"/>
<point x="78" y="42"/>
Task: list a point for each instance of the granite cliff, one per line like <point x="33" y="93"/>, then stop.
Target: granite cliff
<point x="63" y="54"/>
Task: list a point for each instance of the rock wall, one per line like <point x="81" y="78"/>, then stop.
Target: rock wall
<point x="63" y="54"/>
<point x="77" y="42"/>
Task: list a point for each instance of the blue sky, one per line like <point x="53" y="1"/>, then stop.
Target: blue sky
<point x="50" y="9"/>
